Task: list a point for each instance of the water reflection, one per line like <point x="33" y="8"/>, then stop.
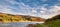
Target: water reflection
<point x="17" y="24"/>
<point x="5" y="25"/>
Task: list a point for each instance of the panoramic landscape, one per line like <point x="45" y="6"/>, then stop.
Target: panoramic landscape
<point x="29" y="13"/>
<point x="8" y="19"/>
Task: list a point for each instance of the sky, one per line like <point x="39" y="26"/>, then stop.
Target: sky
<point x="38" y="8"/>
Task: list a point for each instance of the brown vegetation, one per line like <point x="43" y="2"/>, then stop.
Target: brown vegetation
<point x="18" y="18"/>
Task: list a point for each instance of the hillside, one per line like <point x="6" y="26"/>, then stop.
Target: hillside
<point x="52" y="22"/>
<point x="53" y="18"/>
<point x="19" y="18"/>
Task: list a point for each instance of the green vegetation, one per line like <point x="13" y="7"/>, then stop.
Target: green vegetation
<point x="55" y="23"/>
<point x="52" y="22"/>
<point x="35" y="25"/>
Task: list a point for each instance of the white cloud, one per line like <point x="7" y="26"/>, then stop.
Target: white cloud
<point x="10" y="9"/>
<point x="42" y="12"/>
<point x="34" y="11"/>
<point x="55" y="10"/>
<point x="27" y="10"/>
<point x="4" y="9"/>
<point x="42" y="8"/>
<point x="51" y="12"/>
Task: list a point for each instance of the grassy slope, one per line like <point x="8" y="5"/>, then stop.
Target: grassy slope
<point x="55" y="23"/>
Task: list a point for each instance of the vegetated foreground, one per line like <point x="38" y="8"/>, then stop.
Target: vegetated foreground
<point x="52" y="22"/>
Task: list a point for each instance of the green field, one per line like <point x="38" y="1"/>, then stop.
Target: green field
<point x="55" y="23"/>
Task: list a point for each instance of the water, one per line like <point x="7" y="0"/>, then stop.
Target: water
<point x="17" y="24"/>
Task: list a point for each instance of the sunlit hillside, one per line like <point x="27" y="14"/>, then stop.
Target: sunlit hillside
<point x="19" y="18"/>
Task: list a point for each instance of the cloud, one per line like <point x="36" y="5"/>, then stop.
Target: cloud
<point x="42" y="8"/>
<point x="42" y="12"/>
<point x="34" y="11"/>
<point x="12" y="8"/>
<point x="54" y="10"/>
<point x="20" y="8"/>
<point x="47" y="13"/>
<point x="5" y="9"/>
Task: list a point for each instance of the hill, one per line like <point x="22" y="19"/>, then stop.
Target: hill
<point x="19" y="18"/>
<point x="52" y="22"/>
<point x="53" y="18"/>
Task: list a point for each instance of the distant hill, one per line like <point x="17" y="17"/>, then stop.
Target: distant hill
<point x="53" y="18"/>
<point x="19" y="18"/>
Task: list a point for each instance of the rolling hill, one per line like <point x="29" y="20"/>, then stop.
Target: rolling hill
<point x="19" y="18"/>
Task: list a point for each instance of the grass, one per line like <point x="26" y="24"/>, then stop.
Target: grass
<point x="55" y="23"/>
